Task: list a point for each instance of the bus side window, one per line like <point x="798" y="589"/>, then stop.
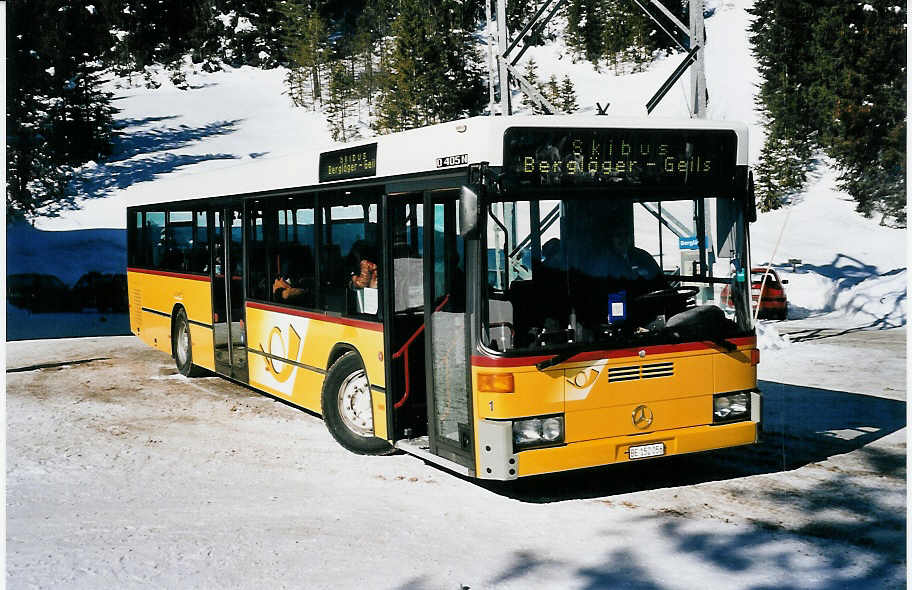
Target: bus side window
<point x="179" y="243"/>
<point x="291" y="260"/>
<point x="350" y="236"/>
<point x="154" y="237"/>
<point x="136" y="251"/>
<point x="200" y="255"/>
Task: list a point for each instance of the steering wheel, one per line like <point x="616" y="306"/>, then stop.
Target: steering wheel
<point x="669" y="293"/>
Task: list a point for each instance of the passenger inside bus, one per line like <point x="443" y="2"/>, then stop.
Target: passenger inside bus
<point x="363" y="278"/>
<point x="366" y="274"/>
<point x="283" y="290"/>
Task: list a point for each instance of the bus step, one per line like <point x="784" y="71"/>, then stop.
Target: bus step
<point x="420" y="447"/>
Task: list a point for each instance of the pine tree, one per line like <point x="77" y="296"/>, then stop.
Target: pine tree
<point x="341" y="102"/>
<point x="530" y="73"/>
<point x="431" y="70"/>
<point x="553" y="91"/>
<point x="781" y="172"/>
<point x="567" y="93"/>
<point x="616" y="31"/>
<point x="307" y="47"/>
<point x="868" y="132"/>
<point x="834" y="78"/>
<point x="57" y="115"/>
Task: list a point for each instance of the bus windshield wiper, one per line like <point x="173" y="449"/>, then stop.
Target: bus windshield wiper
<point x="555" y="360"/>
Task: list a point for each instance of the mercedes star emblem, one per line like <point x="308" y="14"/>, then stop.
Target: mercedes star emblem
<point x="642" y="417"/>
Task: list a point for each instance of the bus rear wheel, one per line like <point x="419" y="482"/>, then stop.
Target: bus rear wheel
<point x="347" y="407"/>
<point x="182" y="347"/>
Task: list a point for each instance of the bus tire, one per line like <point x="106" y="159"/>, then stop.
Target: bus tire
<point x="182" y="348"/>
<point x="347" y="407"/>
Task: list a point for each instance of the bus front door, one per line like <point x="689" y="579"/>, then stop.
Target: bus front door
<point x="446" y="351"/>
<point x="228" y="294"/>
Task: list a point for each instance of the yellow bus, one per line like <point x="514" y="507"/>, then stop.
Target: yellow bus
<point x="502" y="296"/>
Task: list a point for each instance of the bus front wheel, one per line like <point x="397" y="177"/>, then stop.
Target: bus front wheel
<point x="183" y="350"/>
<point x="347" y="407"/>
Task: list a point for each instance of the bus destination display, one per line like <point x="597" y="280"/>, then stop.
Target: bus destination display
<point x="356" y="162"/>
<point x="542" y="157"/>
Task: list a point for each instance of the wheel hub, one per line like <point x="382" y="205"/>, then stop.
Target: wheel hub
<point x="355" y="404"/>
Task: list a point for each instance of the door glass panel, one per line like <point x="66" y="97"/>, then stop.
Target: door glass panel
<point x="236" y="293"/>
<point x="219" y="294"/>
<point x="448" y="345"/>
<point x="408" y="235"/>
<point x="258" y="260"/>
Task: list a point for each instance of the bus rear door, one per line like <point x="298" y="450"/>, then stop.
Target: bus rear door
<point x="228" y="294"/>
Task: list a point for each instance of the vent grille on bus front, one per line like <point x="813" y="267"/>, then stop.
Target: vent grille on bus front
<point x="616" y="374"/>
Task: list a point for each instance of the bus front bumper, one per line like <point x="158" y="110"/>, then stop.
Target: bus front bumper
<point x="606" y="451"/>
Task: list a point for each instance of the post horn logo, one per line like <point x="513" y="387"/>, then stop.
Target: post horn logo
<point x="642" y="417"/>
<point x="280" y="370"/>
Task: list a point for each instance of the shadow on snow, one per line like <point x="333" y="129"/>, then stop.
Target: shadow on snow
<point x="108" y="177"/>
<point x="801" y="425"/>
<point x="165" y="138"/>
<point x="852" y="536"/>
<point x="141" y="156"/>
<point x="847" y="272"/>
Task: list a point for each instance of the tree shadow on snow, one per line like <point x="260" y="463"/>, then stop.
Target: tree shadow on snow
<point x="140" y="156"/>
<point x="851" y="536"/>
<point x="165" y="138"/>
<point x="847" y="272"/>
<point x="124" y="123"/>
<point x="109" y="177"/>
<point x="801" y="425"/>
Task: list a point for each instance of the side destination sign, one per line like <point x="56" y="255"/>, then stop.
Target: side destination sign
<point x="348" y="163"/>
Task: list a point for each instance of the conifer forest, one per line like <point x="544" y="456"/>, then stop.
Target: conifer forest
<point x="833" y="75"/>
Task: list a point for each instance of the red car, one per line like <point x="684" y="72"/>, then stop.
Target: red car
<point x="773" y="302"/>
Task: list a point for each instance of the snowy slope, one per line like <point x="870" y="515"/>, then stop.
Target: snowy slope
<point x="236" y="131"/>
<point x="232" y="131"/>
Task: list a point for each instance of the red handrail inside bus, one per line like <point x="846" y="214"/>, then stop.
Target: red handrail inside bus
<point x="405" y="351"/>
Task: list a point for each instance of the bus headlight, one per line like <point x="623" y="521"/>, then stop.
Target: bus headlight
<point x="536" y="432"/>
<point x="731" y="406"/>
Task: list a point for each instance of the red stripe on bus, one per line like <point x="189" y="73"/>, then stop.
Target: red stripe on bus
<point x="485" y="361"/>
<point x="375" y="326"/>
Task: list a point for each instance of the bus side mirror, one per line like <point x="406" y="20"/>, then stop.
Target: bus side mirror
<point x="750" y="201"/>
<point x="468" y="211"/>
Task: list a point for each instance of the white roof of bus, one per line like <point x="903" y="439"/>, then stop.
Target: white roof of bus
<point x="480" y="139"/>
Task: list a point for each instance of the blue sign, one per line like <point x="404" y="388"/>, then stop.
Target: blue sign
<point x="691" y="243"/>
<point x="617" y="307"/>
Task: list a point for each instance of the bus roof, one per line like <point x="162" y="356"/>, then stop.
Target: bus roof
<point x="480" y="139"/>
<point x="432" y="149"/>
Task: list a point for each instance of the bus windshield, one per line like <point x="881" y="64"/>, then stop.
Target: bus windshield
<point x="600" y="272"/>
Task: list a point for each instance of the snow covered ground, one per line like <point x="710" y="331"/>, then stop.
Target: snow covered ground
<point x="123" y="474"/>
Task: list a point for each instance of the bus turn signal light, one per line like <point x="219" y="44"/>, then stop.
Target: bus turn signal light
<point x="755" y="357"/>
<point x="496" y="382"/>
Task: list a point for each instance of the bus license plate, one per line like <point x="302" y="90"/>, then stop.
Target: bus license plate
<point x="644" y="451"/>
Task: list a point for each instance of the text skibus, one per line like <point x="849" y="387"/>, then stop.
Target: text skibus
<point x="504" y="296"/>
